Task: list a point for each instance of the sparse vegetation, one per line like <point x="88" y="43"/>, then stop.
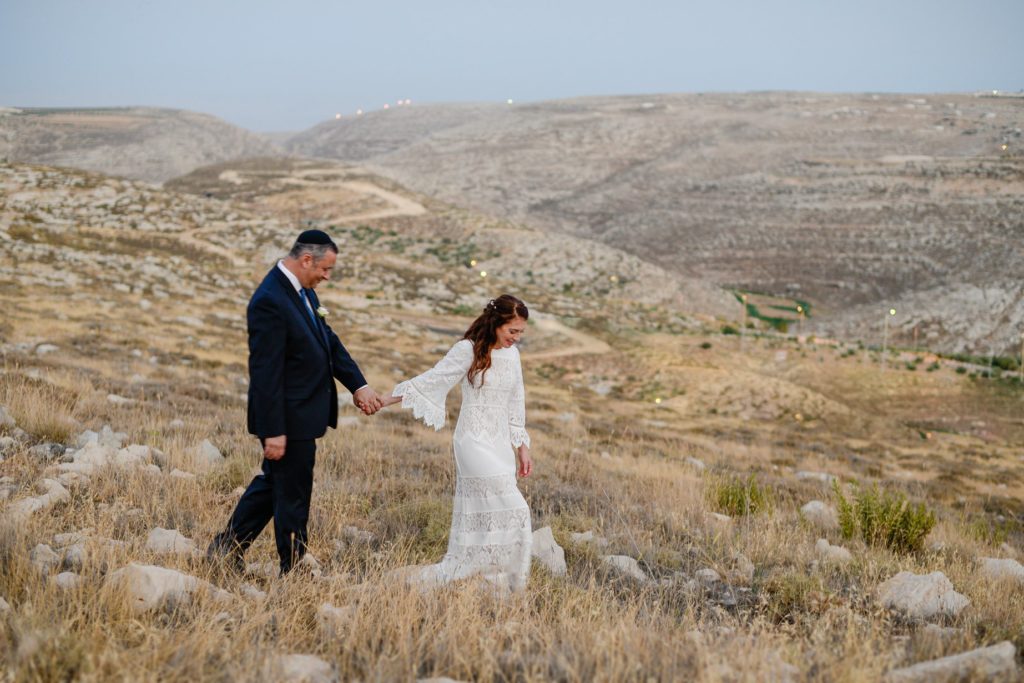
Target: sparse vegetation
<point x="736" y="497"/>
<point x="883" y="518"/>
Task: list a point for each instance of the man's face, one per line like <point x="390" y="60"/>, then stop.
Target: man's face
<point x="315" y="272"/>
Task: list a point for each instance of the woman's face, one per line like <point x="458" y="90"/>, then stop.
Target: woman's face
<point x="510" y="332"/>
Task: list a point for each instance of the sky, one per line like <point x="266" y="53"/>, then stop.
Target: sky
<point x="285" y="66"/>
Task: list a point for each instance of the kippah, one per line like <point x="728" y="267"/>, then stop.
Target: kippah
<point x="315" y="237"/>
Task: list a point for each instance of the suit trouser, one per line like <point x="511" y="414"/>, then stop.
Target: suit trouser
<point x="281" y="492"/>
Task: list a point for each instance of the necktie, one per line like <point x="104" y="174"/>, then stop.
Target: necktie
<point x="308" y="305"/>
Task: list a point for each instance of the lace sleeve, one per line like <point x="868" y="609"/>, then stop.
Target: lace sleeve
<point x="425" y="394"/>
<point x="517" y="411"/>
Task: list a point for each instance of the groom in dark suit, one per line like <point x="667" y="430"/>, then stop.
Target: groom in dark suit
<point x="294" y="358"/>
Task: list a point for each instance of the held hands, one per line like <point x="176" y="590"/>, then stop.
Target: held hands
<point x="367" y="400"/>
<point x="524" y="461"/>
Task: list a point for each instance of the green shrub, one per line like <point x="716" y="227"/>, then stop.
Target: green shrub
<point x="883" y="518"/>
<point x="961" y="370"/>
<point x="705" y="345"/>
<point x="735" y="496"/>
<point x="729" y="329"/>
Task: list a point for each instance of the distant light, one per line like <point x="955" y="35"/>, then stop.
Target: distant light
<point x="472" y="263"/>
<point x="892" y="311"/>
<point x="387" y="106"/>
<point x="614" y="278"/>
<point x="483" y="273"/>
<point x="408" y="102"/>
<point x="1004" y="147"/>
<point x="798" y="417"/>
<point x="337" y="116"/>
<point x="995" y="92"/>
<point x="508" y="101"/>
<point x="359" y="112"/>
<point x="657" y="400"/>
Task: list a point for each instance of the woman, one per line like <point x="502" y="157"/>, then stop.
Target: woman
<point x="490" y="533"/>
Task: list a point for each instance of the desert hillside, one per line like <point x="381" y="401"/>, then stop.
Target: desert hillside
<point x="140" y="143"/>
<point x="851" y="203"/>
<point x="693" y="498"/>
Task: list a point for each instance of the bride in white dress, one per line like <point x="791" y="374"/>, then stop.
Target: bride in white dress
<point x="491" y="532"/>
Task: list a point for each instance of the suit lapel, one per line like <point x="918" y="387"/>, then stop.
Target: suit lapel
<point x="290" y="292"/>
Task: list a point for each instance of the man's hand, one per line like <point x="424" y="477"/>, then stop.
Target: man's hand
<point x="273" y="447"/>
<point x="367" y="400"/>
<point x="525" y="461"/>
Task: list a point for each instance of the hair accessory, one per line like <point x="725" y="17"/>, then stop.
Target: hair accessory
<point x="491" y="305"/>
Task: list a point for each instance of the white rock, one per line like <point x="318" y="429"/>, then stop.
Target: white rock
<point x="181" y="474"/>
<point x="74" y="556"/>
<point x="67" y="580"/>
<point x="4" y="606"/>
<point x="995" y="663"/>
<point x="743" y="569"/>
<point x="718" y="522"/>
<point x="170" y="542"/>
<point x="354" y="534"/>
<point x="823" y="477"/>
<point x="6" y="421"/>
<point x="44" y="349"/>
<point x="832" y="553"/>
<point x="333" y="621"/>
<point x="301" y="669"/>
<point x="54" y="493"/>
<point x="148" y="586"/>
<point x="625" y="565"/>
<point x="134" y="456"/>
<point x="266" y="569"/>
<point x="922" y="596"/>
<point x="696" y="464"/>
<point x="586" y="537"/>
<point x="176" y="423"/>
<point x="1002" y="569"/>
<point x="64" y="540"/>
<point x="119" y="400"/>
<point x="547" y="551"/>
<point x="44" y="558"/>
<point x="208" y="456"/>
<point x="1007" y="550"/>
<point x="820" y="515"/>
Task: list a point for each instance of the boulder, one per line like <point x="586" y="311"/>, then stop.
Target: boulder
<point x="547" y="551"/>
<point x="6" y="421"/>
<point x="742" y="571"/>
<point x="834" y="554"/>
<point x="46" y="452"/>
<point x="208" y="456"/>
<point x="54" y="493"/>
<point x="301" y="669"/>
<point x="170" y="542"/>
<point x="999" y="569"/>
<point x="922" y="596"/>
<point x="821" y="515"/>
<point x="823" y="477"/>
<point x="707" y="576"/>
<point x="182" y="474"/>
<point x="994" y="663"/>
<point x="623" y="564"/>
<point x="252" y="592"/>
<point x="148" y="587"/>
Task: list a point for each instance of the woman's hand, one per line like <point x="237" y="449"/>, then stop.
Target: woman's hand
<point x="389" y="400"/>
<point x="524" y="460"/>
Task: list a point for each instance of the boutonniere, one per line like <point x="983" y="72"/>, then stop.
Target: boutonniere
<point x="322" y="312"/>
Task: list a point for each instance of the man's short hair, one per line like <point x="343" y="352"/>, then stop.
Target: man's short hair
<point x="315" y="242"/>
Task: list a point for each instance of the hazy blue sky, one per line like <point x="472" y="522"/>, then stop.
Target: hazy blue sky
<point x="287" y="65"/>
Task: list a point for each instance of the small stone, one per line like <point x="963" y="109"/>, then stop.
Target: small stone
<point x="1005" y="548"/>
<point x="301" y="669"/>
<point x="119" y="400"/>
<point x="1000" y="569"/>
<point x="252" y="592"/>
<point x="6" y="421"/>
<point x="208" y="456"/>
<point x="718" y="522"/>
<point x="354" y="534"/>
<point x="696" y="464"/>
<point x="743" y="569"/>
<point x="149" y="587"/>
<point x="922" y="596"/>
<point x="181" y="474"/>
<point x="176" y="423"/>
<point x="67" y="580"/>
<point x="994" y="663"/>
<point x="707" y="576"/>
<point x="46" y="452"/>
<point x="820" y="515"/>
<point x="334" y="621"/>
<point x="588" y="537"/>
<point x="832" y="553"/>
<point x="626" y="565"/>
<point x="4" y="606"/>
<point x="547" y="551"/>
<point x="45" y="349"/>
<point x="44" y="558"/>
<point x="823" y="477"/>
<point x="170" y="542"/>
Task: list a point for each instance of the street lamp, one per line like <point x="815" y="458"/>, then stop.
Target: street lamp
<point x="885" y="333"/>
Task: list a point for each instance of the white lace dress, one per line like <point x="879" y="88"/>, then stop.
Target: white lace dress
<point x="490" y="533"/>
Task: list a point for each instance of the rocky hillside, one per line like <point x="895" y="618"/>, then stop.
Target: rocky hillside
<point x="852" y="203"/>
<point x="133" y="142"/>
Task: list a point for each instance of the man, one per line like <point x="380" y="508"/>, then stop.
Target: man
<point x="294" y="358"/>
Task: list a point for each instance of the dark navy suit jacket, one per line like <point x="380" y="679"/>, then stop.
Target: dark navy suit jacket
<point x="293" y="362"/>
